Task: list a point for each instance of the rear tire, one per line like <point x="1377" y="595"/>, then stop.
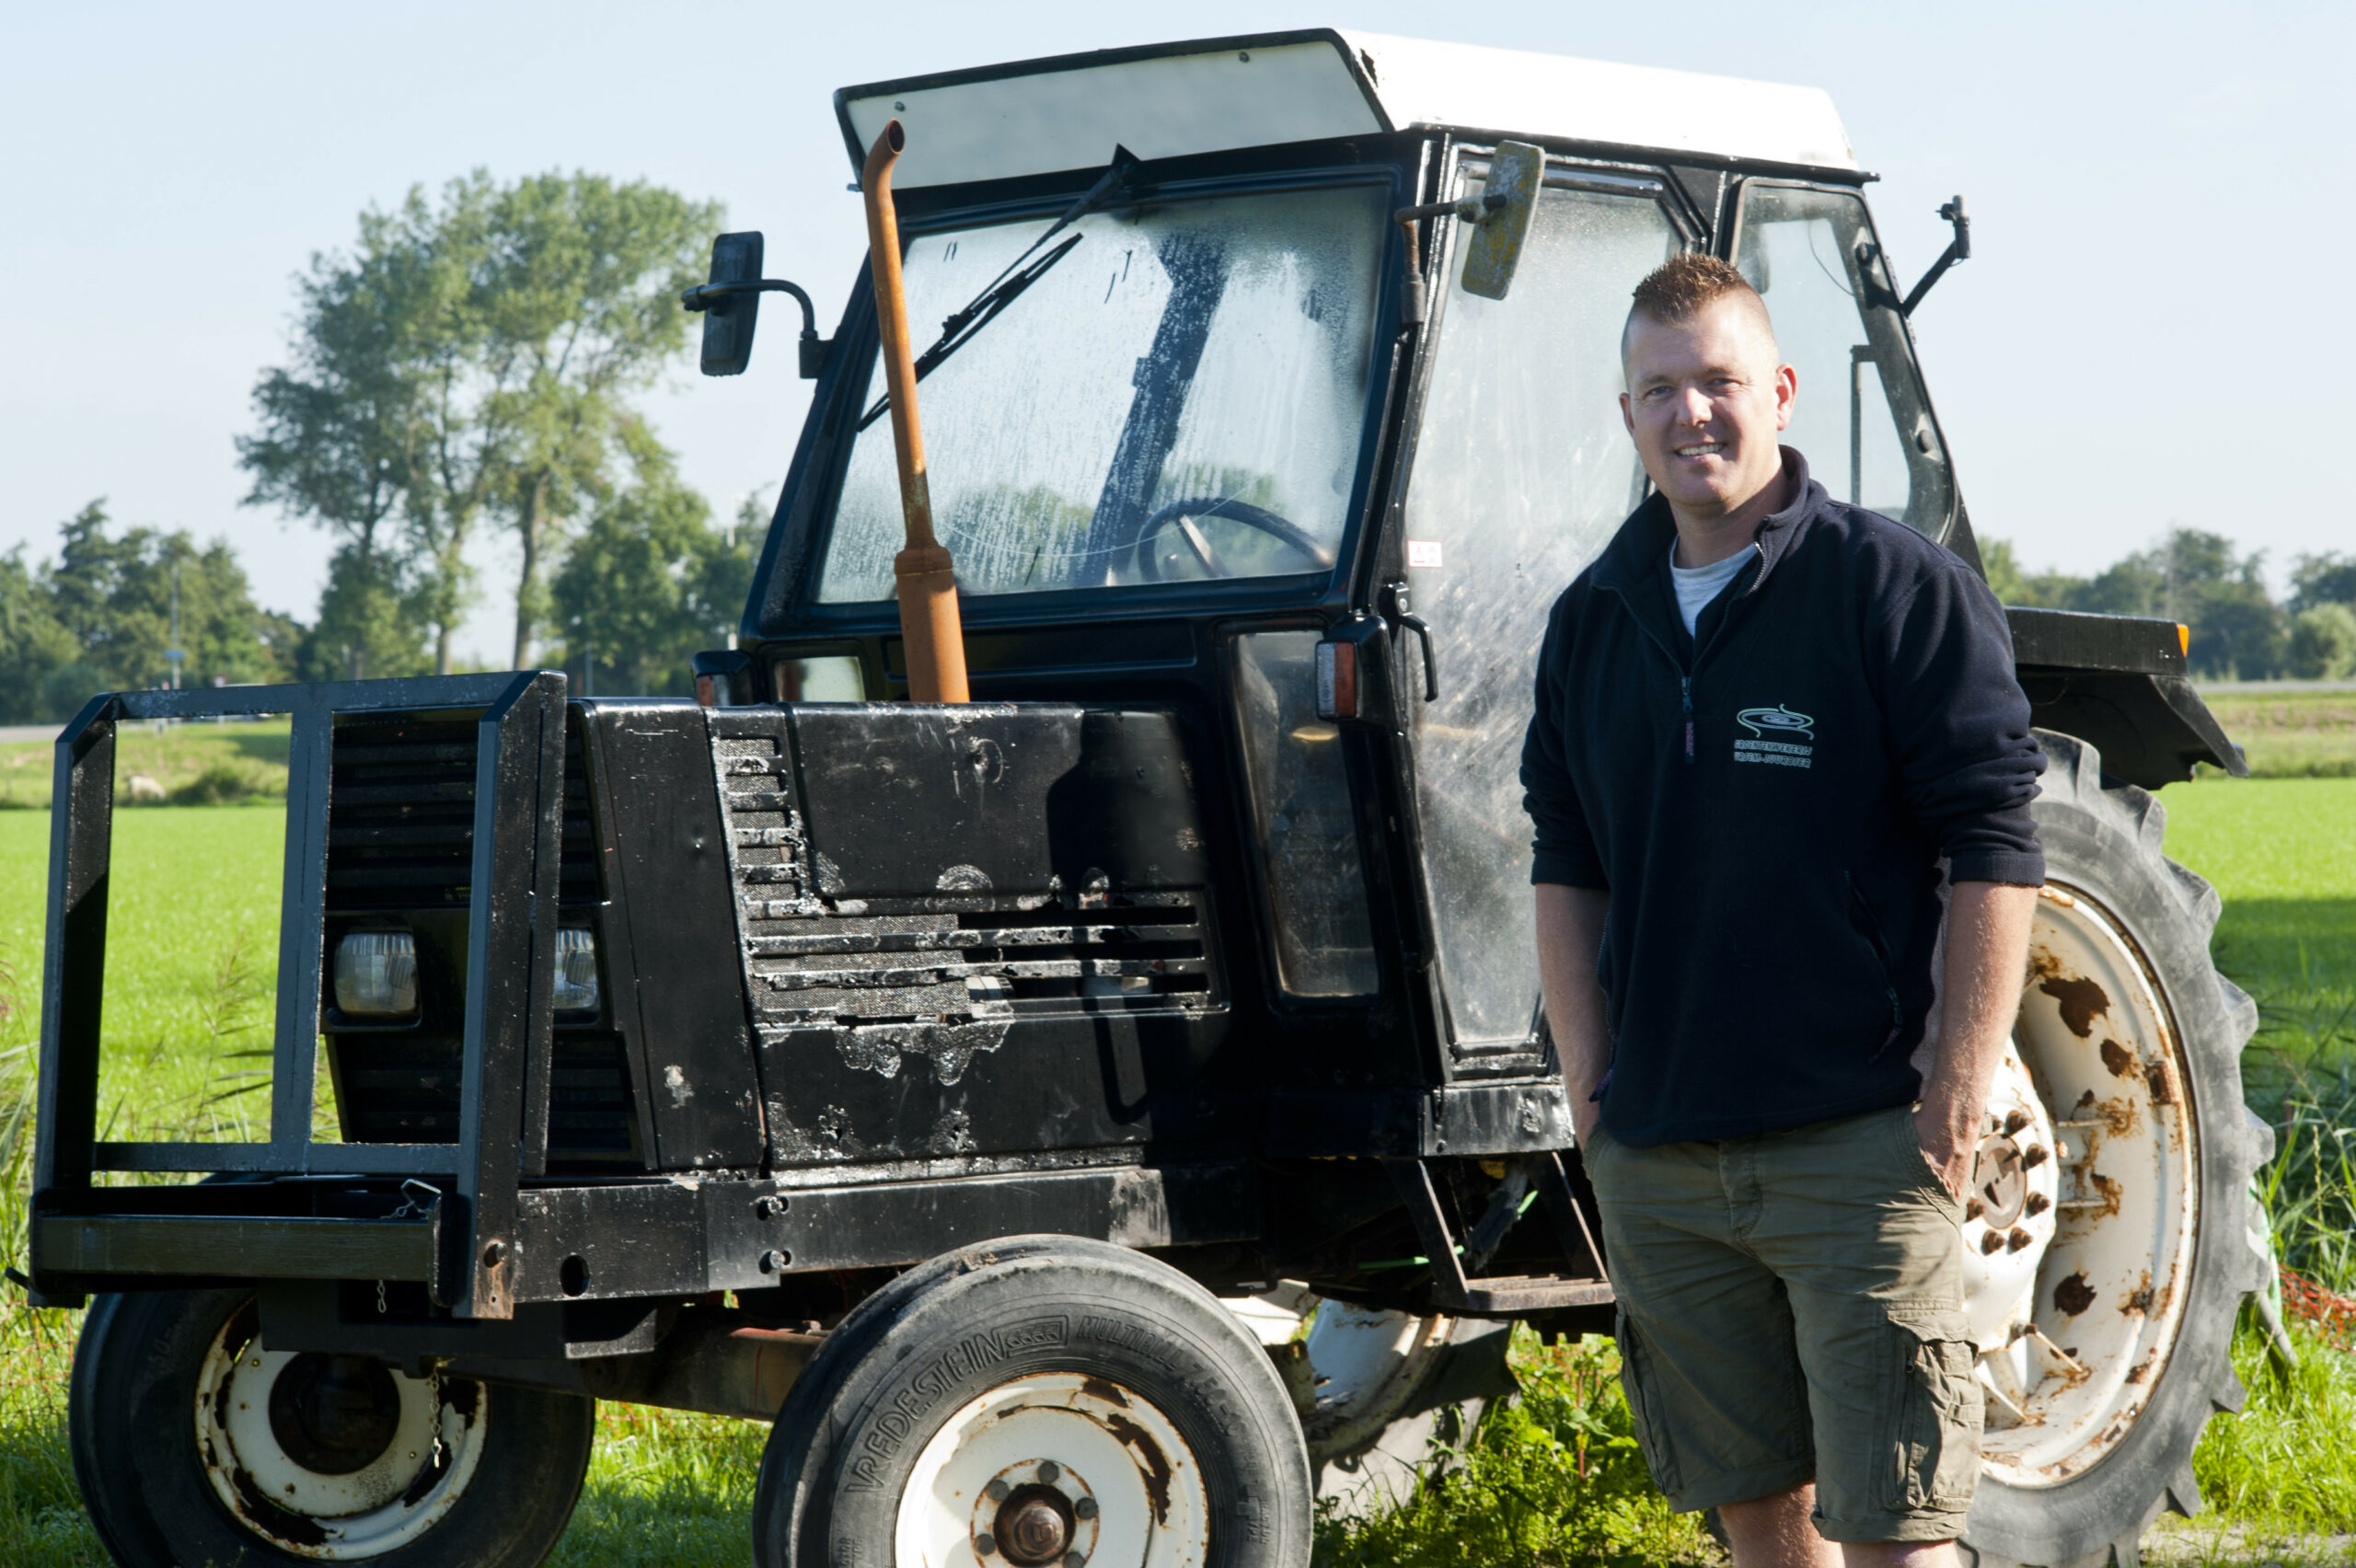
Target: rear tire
<point x="1052" y="1393"/>
<point x="2127" y="1068"/>
<point x="194" y="1444"/>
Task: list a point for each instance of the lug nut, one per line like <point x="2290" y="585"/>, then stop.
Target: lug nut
<point x="768" y="1208"/>
<point x="775" y="1262"/>
<point x="1049" y="1470"/>
<point x="984" y="1543"/>
<point x="2038" y="1202"/>
<point x="1991" y="1241"/>
<point x="1971" y="1208"/>
<point x="2016" y="1240"/>
<point x="2015" y="1120"/>
<point x="2033" y="1156"/>
<point x="995" y="1491"/>
<point x="1075" y="1559"/>
<point x="1085" y="1507"/>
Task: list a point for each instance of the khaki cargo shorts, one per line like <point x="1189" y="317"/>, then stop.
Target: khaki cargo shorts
<point x="1790" y="1309"/>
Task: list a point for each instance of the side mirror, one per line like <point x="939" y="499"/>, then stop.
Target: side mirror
<point x="730" y="303"/>
<point x="1517" y="169"/>
<point x="729" y="318"/>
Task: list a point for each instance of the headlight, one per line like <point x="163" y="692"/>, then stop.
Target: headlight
<point x="576" y="970"/>
<point x="375" y="974"/>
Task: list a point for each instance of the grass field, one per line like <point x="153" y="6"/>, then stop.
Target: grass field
<point x="1551" y="1481"/>
<point x="198" y="763"/>
<point x="2291" y="734"/>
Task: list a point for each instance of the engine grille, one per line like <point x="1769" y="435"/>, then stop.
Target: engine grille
<point x="812" y="959"/>
<point x="400" y="842"/>
<point x="401" y="812"/>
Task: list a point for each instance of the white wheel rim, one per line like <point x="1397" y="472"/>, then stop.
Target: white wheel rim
<point x="1126" y="1488"/>
<point x="2075" y="1322"/>
<point x="1354" y="1367"/>
<point x="435" y="1448"/>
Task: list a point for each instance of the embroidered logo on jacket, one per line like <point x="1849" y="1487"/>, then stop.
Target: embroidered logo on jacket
<point x="1783" y="724"/>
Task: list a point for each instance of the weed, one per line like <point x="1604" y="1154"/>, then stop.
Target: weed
<point x="1551" y="1478"/>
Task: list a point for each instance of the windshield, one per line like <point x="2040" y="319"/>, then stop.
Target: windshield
<point x="1182" y="398"/>
<point x="1859" y="419"/>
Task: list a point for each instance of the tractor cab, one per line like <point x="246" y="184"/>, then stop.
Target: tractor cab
<point x="1264" y="361"/>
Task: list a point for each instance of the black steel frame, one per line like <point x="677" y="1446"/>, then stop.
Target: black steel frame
<point x="518" y="805"/>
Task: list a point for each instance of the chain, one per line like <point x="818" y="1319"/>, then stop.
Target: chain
<point x="380" y="1298"/>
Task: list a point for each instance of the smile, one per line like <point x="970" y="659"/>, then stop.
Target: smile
<point x="1703" y="449"/>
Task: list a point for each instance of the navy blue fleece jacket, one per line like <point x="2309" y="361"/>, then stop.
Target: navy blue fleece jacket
<point x="1768" y="801"/>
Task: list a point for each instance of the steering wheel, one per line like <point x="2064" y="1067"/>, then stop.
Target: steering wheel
<point x="1183" y="513"/>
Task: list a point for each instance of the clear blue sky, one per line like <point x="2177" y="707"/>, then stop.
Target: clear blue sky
<point x="2156" y="327"/>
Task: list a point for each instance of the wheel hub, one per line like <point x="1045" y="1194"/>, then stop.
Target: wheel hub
<point x="334" y="1414"/>
<point x="1033" y="1526"/>
<point x="1999" y="1181"/>
<point x="1055" y="1470"/>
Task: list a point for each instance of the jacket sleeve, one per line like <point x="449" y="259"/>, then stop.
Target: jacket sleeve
<point x="1960" y="728"/>
<point x="1563" y="850"/>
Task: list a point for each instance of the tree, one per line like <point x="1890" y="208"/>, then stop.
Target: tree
<point x="33" y="645"/>
<point x="469" y="360"/>
<point x="113" y="597"/>
<point x="2323" y="643"/>
<point x="649" y="582"/>
<point x="343" y="431"/>
<point x="577" y="298"/>
<point x="2326" y="579"/>
<point x="2012" y="585"/>
<point x="369" y="624"/>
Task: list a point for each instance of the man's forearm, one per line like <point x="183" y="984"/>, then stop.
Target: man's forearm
<point x="1987" y="960"/>
<point x="1570" y="935"/>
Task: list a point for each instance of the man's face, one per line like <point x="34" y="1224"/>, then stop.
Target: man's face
<point x="1706" y="401"/>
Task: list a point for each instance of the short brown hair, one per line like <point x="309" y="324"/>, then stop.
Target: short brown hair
<point x="1680" y="288"/>
<point x="1685" y="285"/>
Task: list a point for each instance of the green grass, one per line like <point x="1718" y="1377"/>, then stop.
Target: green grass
<point x="2291" y="734"/>
<point x="1549" y="1480"/>
<point x="193" y="764"/>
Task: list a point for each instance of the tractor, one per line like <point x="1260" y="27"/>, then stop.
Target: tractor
<point x="1053" y="1028"/>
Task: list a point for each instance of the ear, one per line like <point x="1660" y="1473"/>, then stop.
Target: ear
<point x="1788" y="390"/>
<point x="1628" y="417"/>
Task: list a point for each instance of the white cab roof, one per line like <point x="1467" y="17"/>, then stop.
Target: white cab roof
<point x="1219" y="94"/>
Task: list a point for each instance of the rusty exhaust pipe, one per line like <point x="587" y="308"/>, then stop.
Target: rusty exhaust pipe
<point x="930" y="628"/>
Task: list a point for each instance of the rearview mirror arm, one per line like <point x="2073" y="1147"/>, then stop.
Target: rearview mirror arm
<point x="1959" y="250"/>
<point x="1411" y="307"/>
<point x="718" y="298"/>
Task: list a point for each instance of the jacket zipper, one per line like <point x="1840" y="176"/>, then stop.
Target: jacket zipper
<point x="1685" y="690"/>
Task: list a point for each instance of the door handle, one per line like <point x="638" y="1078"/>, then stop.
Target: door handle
<point x="1404" y="615"/>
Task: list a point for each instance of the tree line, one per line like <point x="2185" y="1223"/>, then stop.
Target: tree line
<point x="470" y="366"/>
<point x="2199" y="581"/>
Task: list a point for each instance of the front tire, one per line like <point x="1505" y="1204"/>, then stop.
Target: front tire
<point x="2108" y="1236"/>
<point x="1021" y="1401"/>
<point x="195" y="1443"/>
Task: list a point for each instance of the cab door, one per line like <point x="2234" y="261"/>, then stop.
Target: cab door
<point x="1521" y="471"/>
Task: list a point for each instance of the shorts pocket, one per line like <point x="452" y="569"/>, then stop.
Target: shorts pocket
<point x="1917" y="1164"/>
<point x="1640" y="1380"/>
<point x="1933" y="1451"/>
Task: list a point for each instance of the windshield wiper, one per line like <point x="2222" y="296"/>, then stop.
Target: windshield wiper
<point x="963" y="326"/>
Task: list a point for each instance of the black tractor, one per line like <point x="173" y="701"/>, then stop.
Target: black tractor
<point x="1053" y="1027"/>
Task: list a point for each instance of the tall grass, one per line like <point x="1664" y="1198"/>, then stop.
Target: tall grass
<point x="1552" y="1478"/>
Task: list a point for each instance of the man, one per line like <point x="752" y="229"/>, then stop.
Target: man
<point x="1764" y="722"/>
